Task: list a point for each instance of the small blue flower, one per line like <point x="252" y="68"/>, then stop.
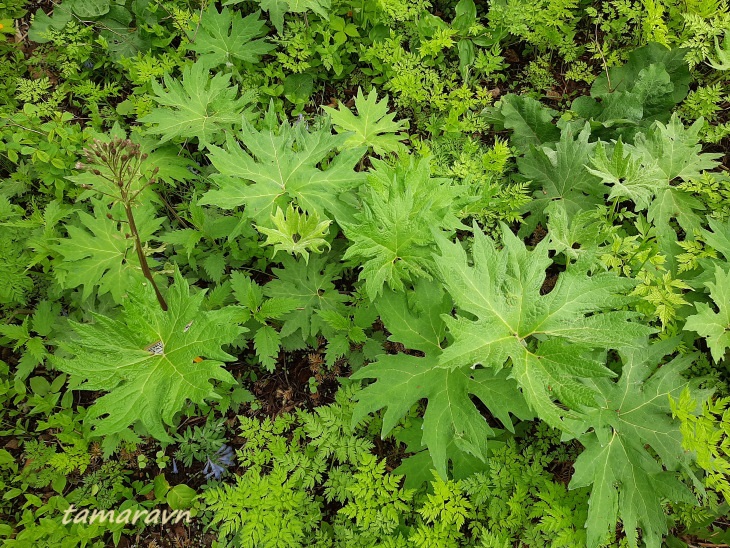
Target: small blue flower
<point x="216" y="467"/>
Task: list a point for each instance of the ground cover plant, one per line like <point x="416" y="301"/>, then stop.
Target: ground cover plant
<point x="375" y="273"/>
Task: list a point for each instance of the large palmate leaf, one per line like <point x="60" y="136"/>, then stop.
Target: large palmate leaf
<point x="226" y="37"/>
<point x="146" y="359"/>
<point x="310" y="284"/>
<point x="632" y="416"/>
<point x="98" y="255"/>
<point x="676" y="152"/>
<point x="373" y="127"/>
<point x="392" y="237"/>
<point x="278" y="8"/>
<point x="630" y="177"/>
<point x="560" y="174"/>
<point x="714" y="326"/>
<point x="281" y="166"/>
<point x="530" y="121"/>
<point x="200" y="105"/>
<point x="548" y="338"/>
<point x="451" y="423"/>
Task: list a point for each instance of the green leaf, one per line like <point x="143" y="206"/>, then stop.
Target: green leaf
<point x="723" y="53"/>
<point x="90" y="9"/>
<point x="402" y="381"/>
<point x="453" y="428"/>
<point x="215" y="266"/>
<point x="246" y="291"/>
<point x="276" y="307"/>
<point x="43" y="23"/>
<point x="529" y="120"/>
<point x="298" y="88"/>
<point x="373" y="127"/>
<point x="630" y="177"/>
<point x="296" y="232"/>
<point x="181" y="497"/>
<point x="714" y="326"/>
<point x="657" y="76"/>
<point x="392" y="237"/>
<point x="633" y="415"/>
<point x="267" y="342"/>
<point x="98" y="255"/>
<point x="311" y="286"/>
<point x="416" y="326"/>
<point x="673" y="203"/>
<point x="225" y="37"/>
<point x="144" y="359"/>
<point x="320" y="7"/>
<point x="548" y="338"/>
<point x="200" y="105"/>
<point x="276" y="10"/>
<point x="719" y="238"/>
<point x="284" y="166"/>
<point x="561" y="175"/>
<point x="676" y="149"/>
